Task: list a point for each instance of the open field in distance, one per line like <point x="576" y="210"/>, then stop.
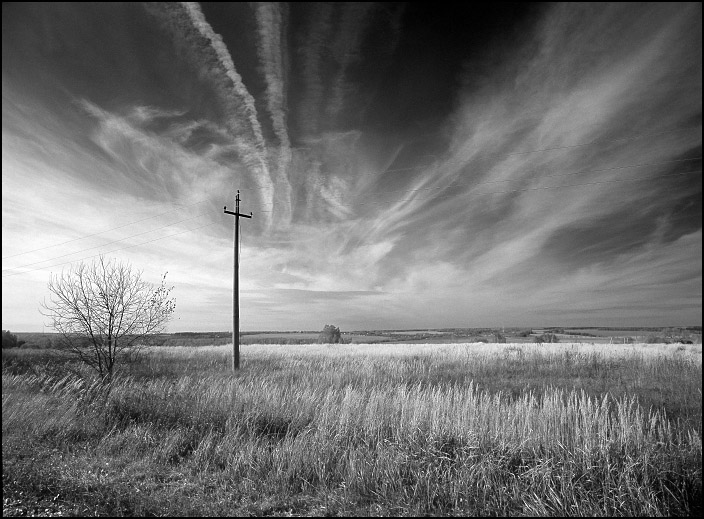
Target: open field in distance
<point x="589" y="335"/>
<point x="359" y="429"/>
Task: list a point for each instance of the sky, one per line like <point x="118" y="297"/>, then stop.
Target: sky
<point x="407" y="166"/>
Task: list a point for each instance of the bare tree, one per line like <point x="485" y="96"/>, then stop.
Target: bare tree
<point x="103" y="309"/>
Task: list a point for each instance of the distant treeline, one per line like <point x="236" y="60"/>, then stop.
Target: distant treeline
<point x="692" y="329"/>
<point x="646" y="334"/>
<point x="201" y="334"/>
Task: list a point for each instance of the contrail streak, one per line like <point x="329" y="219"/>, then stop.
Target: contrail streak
<point x="198" y="20"/>
<point x="318" y="30"/>
<point x="271" y="53"/>
<point x="223" y="55"/>
<point x="346" y="49"/>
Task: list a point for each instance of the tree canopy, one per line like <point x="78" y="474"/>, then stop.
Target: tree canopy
<point x="330" y="335"/>
<point x="103" y="309"/>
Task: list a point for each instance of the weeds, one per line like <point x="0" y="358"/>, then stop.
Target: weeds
<point x="456" y="430"/>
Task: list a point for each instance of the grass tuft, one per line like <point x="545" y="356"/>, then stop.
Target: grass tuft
<point x="359" y="430"/>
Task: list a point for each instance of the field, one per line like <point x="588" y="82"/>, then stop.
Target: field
<point x="358" y="429"/>
<point x="444" y="336"/>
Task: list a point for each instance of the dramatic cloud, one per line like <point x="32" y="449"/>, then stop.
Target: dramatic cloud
<point x="407" y="165"/>
<point x="272" y="55"/>
<point x="241" y="113"/>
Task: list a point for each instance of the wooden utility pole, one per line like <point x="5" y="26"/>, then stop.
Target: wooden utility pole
<point x="236" y="286"/>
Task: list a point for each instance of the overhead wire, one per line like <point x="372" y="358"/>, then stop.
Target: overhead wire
<point x="106" y="230"/>
<point x="108" y="252"/>
<point x="105" y="244"/>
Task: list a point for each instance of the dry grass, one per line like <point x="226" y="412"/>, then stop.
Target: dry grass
<point x="479" y="429"/>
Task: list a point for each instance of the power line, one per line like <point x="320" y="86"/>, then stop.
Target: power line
<point x="106" y="230"/>
<point x="235" y="288"/>
<point x="104" y="244"/>
<point x="109" y="252"/>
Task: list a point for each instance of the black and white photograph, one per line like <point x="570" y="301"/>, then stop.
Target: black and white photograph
<point x="351" y="259"/>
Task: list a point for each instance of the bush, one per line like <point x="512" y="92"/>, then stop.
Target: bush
<point x="9" y="340"/>
<point x="546" y="337"/>
<point x="330" y="335"/>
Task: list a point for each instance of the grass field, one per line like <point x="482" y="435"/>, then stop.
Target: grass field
<point x="421" y="429"/>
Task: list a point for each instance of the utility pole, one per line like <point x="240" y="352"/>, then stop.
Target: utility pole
<point x="236" y="286"/>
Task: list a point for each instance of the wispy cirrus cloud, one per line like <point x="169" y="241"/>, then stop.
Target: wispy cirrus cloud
<point x="186" y="22"/>
<point x="345" y="51"/>
<point x="524" y="174"/>
<point x="399" y="177"/>
<point x="271" y="25"/>
<point x="159" y="166"/>
<point x="316" y="36"/>
<point x="225" y="60"/>
<point x="492" y="167"/>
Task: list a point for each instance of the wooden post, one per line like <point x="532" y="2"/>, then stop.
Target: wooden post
<point x="236" y="287"/>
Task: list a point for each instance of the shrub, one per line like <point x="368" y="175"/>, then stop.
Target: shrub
<point x="330" y="335"/>
<point x="9" y="340"/>
<point x="546" y="337"/>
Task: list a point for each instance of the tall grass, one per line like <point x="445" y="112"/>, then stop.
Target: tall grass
<point x="364" y="429"/>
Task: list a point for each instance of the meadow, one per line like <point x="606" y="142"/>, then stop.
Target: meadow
<point x="358" y="429"/>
